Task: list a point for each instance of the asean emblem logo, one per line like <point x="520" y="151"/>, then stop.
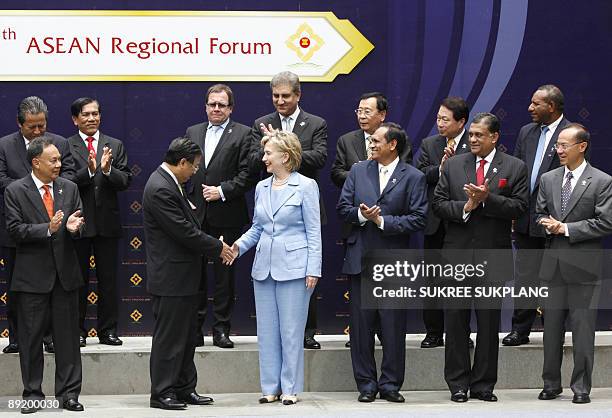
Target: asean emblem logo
<point x="136" y="206"/>
<point x="304" y="42"/>
<point x="92" y="262"/>
<point x="136" y="243"/>
<point x="136" y="279"/>
<point x="92" y="333"/>
<point x="347" y="330"/>
<point x="4" y="333"/>
<point x="92" y="298"/>
<point x="3" y="298"/>
<point x="136" y="315"/>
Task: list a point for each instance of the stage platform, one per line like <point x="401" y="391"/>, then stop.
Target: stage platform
<point x="124" y="370"/>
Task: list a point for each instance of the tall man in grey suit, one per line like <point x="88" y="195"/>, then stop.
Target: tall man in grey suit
<point x="218" y="191"/>
<point x="535" y="146"/>
<point x="32" y="118"/>
<point x="312" y="133"/>
<point x="575" y="208"/>
<point x="385" y="200"/>
<point x="101" y="172"/>
<point x="42" y="217"/>
<point x="175" y="245"/>
<point x="452" y="139"/>
<point x="478" y="195"/>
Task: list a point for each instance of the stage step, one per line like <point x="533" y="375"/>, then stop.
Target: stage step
<point x="124" y="370"/>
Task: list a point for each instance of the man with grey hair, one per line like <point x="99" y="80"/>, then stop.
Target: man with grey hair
<point x="32" y="116"/>
<point x="312" y="132"/>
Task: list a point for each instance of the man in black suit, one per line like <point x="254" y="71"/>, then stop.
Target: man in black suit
<point x="175" y="244"/>
<point x="478" y="195"/>
<point x="575" y="207"/>
<point x="32" y="121"/>
<point x="452" y="139"/>
<point x="101" y="172"/>
<point x="535" y="146"/>
<point x="312" y="132"/>
<point x="218" y="191"/>
<point x="42" y="216"/>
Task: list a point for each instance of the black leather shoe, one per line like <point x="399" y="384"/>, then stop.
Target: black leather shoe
<point x="82" y="341"/>
<point x="459" y="396"/>
<point x="11" y="348"/>
<point x="470" y="343"/>
<point x="194" y="398"/>
<point x="484" y="396"/>
<point x="548" y="394"/>
<point x="367" y="397"/>
<point x="49" y="348"/>
<point x="72" y="405"/>
<point x="514" y="338"/>
<point x="222" y="341"/>
<point x="347" y="344"/>
<point x="110" y="339"/>
<point x="432" y="341"/>
<point x="311" y="343"/>
<point x="392" y="396"/>
<point x="167" y="403"/>
<point x="581" y="398"/>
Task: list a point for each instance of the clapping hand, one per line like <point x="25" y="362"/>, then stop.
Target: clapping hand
<point x="107" y="158"/>
<point x="75" y="222"/>
<point x="476" y="195"/>
<point x="56" y="222"/>
<point x="91" y="162"/>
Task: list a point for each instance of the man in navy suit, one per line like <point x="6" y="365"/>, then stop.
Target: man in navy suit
<point x="535" y="146"/>
<point x="385" y="200"/>
<point x="311" y="130"/>
<point x="32" y="118"/>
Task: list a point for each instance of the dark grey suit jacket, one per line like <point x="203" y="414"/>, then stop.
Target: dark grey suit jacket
<point x="40" y="259"/>
<point x="99" y="193"/>
<point x="525" y="149"/>
<point x="174" y="242"/>
<point x="588" y="217"/>
<point x="14" y="165"/>
<point x="431" y="153"/>
<point x="229" y="168"/>
<point x="312" y="133"/>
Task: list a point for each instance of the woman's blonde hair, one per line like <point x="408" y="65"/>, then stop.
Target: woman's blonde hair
<point x="286" y="142"/>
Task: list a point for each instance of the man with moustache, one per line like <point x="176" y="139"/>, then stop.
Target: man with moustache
<point x="535" y="146"/>
<point x="478" y="195"/>
<point x="312" y="133"/>
<point x="101" y="172"/>
<point x="32" y="117"/>
<point x="218" y="191"/>
<point x="452" y="139"/>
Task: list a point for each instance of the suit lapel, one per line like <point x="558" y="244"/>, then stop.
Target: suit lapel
<point x="438" y="148"/>
<point x="36" y="199"/>
<point x="102" y="142"/>
<point x="225" y="139"/>
<point x="494" y="168"/>
<point x="293" y="183"/>
<point x="58" y="198"/>
<point x="582" y="184"/>
<point x="267" y="196"/>
<point x="20" y="150"/>
<point x="78" y="147"/>
<point x="463" y="145"/>
<point x="372" y="170"/>
<point x="550" y="152"/>
<point x="470" y="169"/>
<point x="360" y="146"/>
<point x="395" y="178"/>
<point x="556" y="191"/>
<point x="300" y="123"/>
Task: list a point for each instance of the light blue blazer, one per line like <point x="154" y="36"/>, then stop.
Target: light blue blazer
<point x="288" y="240"/>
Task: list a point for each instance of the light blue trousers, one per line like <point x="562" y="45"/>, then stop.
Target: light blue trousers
<point x="281" y="308"/>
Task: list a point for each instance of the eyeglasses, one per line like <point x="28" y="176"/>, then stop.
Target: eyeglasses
<point x="221" y="106"/>
<point x="564" y="147"/>
<point x="365" y="112"/>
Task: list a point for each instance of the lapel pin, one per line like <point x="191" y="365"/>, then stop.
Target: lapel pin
<point x="464" y="146"/>
<point x="583" y="182"/>
<point x="494" y="169"/>
<point x="302" y="123"/>
<point x="393" y="181"/>
<point x="230" y="131"/>
<point x="60" y="191"/>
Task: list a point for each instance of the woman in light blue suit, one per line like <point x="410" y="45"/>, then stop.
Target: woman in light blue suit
<point x="287" y="234"/>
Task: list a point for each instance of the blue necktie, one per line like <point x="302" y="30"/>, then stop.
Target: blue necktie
<point x="537" y="162"/>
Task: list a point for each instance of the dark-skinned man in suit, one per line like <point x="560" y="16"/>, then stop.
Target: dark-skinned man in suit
<point x="218" y="191"/>
<point x="312" y="133"/>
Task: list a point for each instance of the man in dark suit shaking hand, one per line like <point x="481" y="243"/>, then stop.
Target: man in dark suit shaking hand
<point x="43" y="214"/>
<point x="175" y="244"/>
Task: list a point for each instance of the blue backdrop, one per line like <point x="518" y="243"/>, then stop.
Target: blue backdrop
<point x="492" y="52"/>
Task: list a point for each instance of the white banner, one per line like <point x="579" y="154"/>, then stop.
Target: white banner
<point x="176" y="45"/>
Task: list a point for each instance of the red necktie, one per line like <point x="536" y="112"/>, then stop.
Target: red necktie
<point x="90" y="147"/>
<point x="48" y="201"/>
<point x="480" y="178"/>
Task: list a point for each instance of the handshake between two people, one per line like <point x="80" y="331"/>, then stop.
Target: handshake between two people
<point x="228" y="254"/>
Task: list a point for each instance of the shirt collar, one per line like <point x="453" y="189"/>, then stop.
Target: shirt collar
<point x="577" y="172"/>
<point x="488" y="158"/>
<point x="223" y="125"/>
<point x="553" y="126"/>
<point x="457" y="139"/>
<point x="95" y="136"/>
<point x="292" y="116"/>
<point x="391" y="166"/>
<point x="164" y="167"/>
<point x="39" y="184"/>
